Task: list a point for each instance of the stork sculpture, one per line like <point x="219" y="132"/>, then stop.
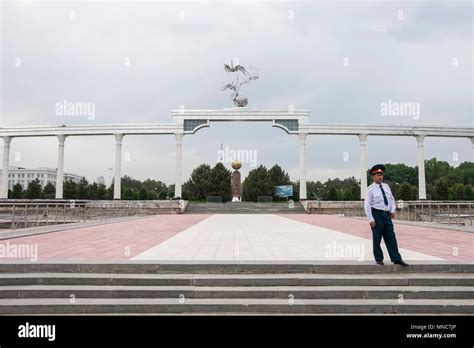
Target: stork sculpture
<point x="248" y="75"/>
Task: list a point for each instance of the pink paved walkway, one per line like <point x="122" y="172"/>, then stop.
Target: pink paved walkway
<point x="435" y="242"/>
<point x="122" y="240"/>
<point x="125" y="240"/>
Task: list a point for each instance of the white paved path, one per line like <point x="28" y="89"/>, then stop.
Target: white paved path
<point x="264" y="237"/>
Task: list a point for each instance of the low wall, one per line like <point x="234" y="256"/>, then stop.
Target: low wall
<point x="334" y="207"/>
<point x="151" y="207"/>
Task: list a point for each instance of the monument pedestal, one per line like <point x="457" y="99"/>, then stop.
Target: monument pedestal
<point x="236" y="186"/>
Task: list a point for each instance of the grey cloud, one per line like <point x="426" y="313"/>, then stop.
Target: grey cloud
<point x="179" y="62"/>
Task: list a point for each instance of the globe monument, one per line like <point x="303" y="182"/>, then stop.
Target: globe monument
<point x="236" y="181"/>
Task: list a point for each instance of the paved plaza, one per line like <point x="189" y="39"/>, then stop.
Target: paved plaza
<point x="254" y="237"/>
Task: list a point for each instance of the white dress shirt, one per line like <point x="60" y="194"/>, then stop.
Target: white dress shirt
<point x="374" y="199"/>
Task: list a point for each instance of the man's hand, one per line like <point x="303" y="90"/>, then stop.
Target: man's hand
<point x="392" y="215"/>
<point x="372" y="224"/>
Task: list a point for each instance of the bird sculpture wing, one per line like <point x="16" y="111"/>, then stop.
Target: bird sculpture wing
<point x="241" y="69"/>
<point x="228" y="86"/>
<point x="229" y="68"/>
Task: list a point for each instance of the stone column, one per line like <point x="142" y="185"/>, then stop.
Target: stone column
<point x="421" y="167"/>
<point x="179" y="154"/>
<point x="363" y="164"/>
<point x="118" y="166"/>
<point x="302" y="138"/>
<point x="60" y="171"/>
<point x="472" y="142"/>
<point x="5" y="166"/>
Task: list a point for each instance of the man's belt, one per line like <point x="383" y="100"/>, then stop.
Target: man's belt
<point x="381" y="211"/>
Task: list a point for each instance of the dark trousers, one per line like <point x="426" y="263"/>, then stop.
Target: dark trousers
<point x="384" y="228"/>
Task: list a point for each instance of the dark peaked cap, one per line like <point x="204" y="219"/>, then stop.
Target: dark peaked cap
<point x="378" y="168"/>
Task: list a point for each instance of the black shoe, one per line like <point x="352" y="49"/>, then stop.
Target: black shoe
<point x="401" y="263"/>
<point x="380" y="263"/>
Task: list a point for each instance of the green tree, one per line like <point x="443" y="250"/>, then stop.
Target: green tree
<point x="101" y="191"/>
<point x="17" y="192"/>
<point x="441" y="189"/>
<point x="314" y="190"/>
<point x="399" y="173"/>
<point x="405" y="192"/>
<point x="220" y="182"/>
<point x="70" y="189"/>
<point x="34" y="190"/>
<point x="468" y="193"/>
<point x="143" y="194"/>
<point x="435" y="169"/>
<point x="198" y="187"/>
<point x="152" y="195"/>
<point x="128" y="194"/>
<point x="414" y="192"/>
<point x="110" y="192"/>
<point x="49" y="191"/>
<point x="464" y="173"/>
<point x="154" y="186"/>
<point x="170" y="191"/>
<point x="347" y="196"/>
<point x="332" y="194"/>
<point x="83" y="189"/>
<point x="355" y="191"/>
<point x="93" y="191"/>
<point x="97" y="191"/>
<point x="131" y="183"/>
<point x="257" y="183"/>
<point x="296" y="190"/>
<point x="277" y="177"/>
<point x="456" y="192"/>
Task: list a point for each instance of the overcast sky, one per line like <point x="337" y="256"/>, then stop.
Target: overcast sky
<point x="340" y="60"/>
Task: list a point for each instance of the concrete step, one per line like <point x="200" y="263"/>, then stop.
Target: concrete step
<point x="231" y="306"/>
<point x="247" y="292"/>
<point x="244" y="208"/>
<point x="231" y="288"/>
<point x="291" y="279"/>
<point x="233" y="267"/>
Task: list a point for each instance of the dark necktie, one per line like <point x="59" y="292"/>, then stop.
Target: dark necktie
<point x="385" y="200"/>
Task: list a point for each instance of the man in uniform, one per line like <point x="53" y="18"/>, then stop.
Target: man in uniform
<point x="379" y="206"/>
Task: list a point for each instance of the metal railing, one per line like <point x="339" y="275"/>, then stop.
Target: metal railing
<point x="448" y="213"/>
<point x="439" y="212"/>
<point x="29" y="214"/>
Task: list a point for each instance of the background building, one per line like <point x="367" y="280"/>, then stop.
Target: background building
<point x="23" y="176"/>
<point x="100" y="180"/>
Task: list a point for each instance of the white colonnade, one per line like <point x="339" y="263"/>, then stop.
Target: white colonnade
<point x="187" y="122"/>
